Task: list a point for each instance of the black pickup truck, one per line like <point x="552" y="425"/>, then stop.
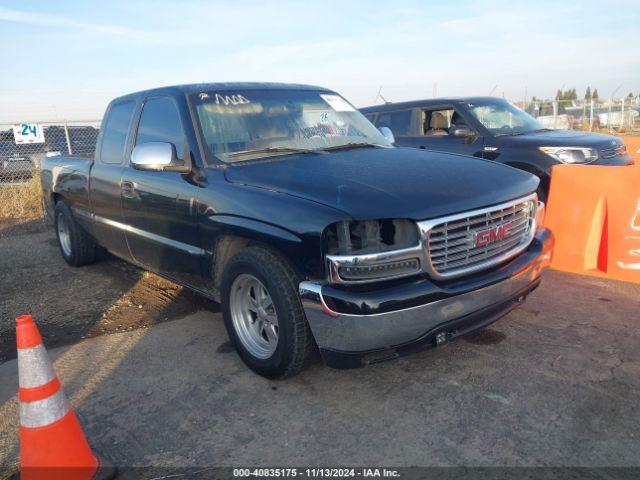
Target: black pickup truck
<point x="286" y="205"/>
<point x="492" y="128"/>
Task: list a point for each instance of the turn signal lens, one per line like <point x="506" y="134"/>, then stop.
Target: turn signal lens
<point x="379" y="271"/>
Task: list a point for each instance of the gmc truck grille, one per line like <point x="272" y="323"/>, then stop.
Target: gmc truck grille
<point x="481" y="239"/>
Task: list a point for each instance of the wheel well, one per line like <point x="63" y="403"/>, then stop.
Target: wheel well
<point x="226" y="247"/>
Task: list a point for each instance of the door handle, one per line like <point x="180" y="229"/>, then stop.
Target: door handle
<point x="128" y="189"/>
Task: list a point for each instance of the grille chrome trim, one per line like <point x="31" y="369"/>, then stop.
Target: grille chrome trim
<point x="423" y="254"/>
<point x="454" y="255"/>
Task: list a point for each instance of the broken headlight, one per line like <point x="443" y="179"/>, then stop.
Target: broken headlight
<point x="360" y="251"/>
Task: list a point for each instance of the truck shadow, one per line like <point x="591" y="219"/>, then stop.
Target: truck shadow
<point x="70" y="304"/>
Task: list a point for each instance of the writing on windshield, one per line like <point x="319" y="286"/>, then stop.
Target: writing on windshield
<point x="240" y="125"/>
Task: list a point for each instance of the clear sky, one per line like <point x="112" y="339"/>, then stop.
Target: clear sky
<point x="67" y="59"/>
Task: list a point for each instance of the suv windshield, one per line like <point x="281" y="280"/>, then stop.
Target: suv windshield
<point x="502" y="118"/>
<point x="247" y="124"/>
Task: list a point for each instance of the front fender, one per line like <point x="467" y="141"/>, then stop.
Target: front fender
<point x="293" y="226"/>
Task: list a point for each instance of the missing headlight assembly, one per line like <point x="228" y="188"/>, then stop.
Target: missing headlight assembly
<point x="370" y="250"/>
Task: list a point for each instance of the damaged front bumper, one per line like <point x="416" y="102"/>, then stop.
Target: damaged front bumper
<point x="354" y="326"/>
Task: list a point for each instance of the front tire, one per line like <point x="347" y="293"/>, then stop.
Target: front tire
<point x="76" y="246"/>
<point x="263" y="314"/>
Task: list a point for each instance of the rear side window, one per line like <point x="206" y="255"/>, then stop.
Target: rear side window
<point x="399" y="122"/>
<point x="115" y="132"/>
<point x="160" y="122"/>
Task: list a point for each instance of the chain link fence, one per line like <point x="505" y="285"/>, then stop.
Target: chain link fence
<point x="21" y="156"/>
<point x="611" y="116"/>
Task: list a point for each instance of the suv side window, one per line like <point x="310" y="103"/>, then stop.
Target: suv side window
<point x="160" y="122"/>
<point x="115" y="132"/>
<point x="399" y="121"/>
<point x="437" y="122"/>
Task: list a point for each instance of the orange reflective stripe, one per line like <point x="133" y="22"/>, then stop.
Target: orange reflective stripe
<point x="39" y="393"/>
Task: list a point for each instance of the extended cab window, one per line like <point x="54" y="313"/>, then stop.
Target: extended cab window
<point x="160" y="122"/>
<point x="399" y="122"/>
<point x="115" y="132"/>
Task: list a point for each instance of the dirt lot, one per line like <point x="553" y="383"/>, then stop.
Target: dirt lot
<point x="69" y="303"/>
<point x="556" y="383"/>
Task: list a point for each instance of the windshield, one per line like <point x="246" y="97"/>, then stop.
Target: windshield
<point x="246" y="124"/>
<point x="502" y="118"/>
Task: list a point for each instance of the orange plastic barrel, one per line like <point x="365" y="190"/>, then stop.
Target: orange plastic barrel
<point x="633" y="147"/>
<point x="594" y="213"/>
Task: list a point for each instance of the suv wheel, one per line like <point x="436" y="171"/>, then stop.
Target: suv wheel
<point x="263" y="314"/>
<point x="76" y="246"/>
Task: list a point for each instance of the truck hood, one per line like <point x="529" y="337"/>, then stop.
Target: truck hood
<point x="564" y="138"/>
<point x="373" y="183"/>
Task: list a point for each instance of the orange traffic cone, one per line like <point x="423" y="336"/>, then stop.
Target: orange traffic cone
<point x="52" y="445"/>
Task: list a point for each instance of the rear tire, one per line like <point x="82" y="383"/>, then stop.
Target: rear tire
<point x="263" y="314"/>
<point x="76" y="246"/>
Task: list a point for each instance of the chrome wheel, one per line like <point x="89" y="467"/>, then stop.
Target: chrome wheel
<point x="64" y="236"/>
<point x="254" y="316"/>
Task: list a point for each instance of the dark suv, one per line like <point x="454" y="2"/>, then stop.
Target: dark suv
<point x="494" y="129"/>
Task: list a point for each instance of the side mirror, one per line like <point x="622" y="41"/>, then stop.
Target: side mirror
<point x="159" y="157"/>
<point x="388" y="134"/>
<point x="461" y="131"/>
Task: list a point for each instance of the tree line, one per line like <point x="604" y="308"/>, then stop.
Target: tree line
<point x="589" y="95"/>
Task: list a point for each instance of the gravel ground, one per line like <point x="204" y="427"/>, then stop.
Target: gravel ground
<point x="555" y="383"/>
<point x="73" y="303"/>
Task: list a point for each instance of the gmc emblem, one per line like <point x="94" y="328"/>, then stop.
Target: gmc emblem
<point x="482" y="238"/>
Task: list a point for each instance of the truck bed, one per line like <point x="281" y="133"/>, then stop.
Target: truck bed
<point x="68" y="175"/>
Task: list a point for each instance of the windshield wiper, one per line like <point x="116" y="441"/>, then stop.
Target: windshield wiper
<point x="508" y="134"/>
<point x="283" y="150"/>
<point x="292" y="150"/>
<point x="349" y="145"/>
